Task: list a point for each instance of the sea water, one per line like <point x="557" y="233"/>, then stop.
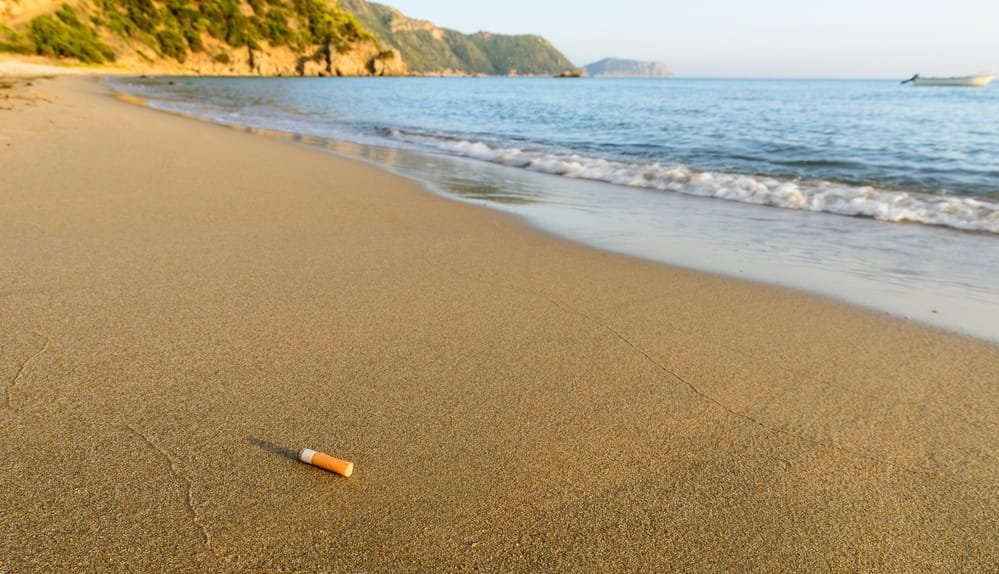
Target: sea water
<point x="878" y="194"/>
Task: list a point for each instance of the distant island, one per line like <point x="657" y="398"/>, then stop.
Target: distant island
<point x="619" y="68"/>
<point x="263" y="37"/>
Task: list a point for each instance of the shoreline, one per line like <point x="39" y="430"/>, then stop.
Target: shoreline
<point x="191" y="305"/>
<point x="957" y="297"/>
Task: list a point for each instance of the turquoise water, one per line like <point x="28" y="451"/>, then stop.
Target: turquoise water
<point x="867" y="191"/>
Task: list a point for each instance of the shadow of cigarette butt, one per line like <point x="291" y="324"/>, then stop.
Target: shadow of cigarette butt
<point x="273" y="448"/>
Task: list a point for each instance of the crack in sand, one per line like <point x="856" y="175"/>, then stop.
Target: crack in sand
<point x="694" y="388"/>
<point x="9" y="388"/>
<point x="175" y="470"/>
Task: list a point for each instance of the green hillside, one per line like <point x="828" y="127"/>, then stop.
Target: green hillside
<point x="96" y="31"/>
<point x="428" y="49"/>
<point x="269" y="37"/>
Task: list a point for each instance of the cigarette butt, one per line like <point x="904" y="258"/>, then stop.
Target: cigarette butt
<point x="325" y="461"/>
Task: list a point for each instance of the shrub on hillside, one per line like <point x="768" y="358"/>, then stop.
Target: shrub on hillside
<point x="64" y="36"/>
<point x="172" y="44"/>
<point x="12" y="41"/>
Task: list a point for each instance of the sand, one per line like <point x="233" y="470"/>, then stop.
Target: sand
<point x="184" y="306"/>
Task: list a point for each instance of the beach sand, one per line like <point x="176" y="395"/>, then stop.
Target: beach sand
<point x="184" y="306"/>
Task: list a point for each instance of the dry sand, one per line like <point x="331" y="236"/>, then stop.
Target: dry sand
<point x="183" y="306"/>
<point x="31" y="66"/>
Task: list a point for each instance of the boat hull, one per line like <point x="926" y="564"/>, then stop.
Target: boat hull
<point x="958" y="81"/>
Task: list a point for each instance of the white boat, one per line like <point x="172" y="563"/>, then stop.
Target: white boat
<point x="976" y="81"/>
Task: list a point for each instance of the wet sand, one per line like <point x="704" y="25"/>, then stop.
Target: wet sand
<point x="184" y="306"/>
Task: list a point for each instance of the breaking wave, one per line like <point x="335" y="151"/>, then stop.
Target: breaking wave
<point x="893" y="203"/>
<point x="959" y="212"/>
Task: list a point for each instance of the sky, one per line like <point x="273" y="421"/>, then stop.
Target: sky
<point x="757" y="38"/>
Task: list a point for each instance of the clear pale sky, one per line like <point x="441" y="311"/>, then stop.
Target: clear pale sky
<point x="757" y="38"/>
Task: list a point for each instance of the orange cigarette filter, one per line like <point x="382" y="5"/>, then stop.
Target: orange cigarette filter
<point x="325" y="461"/>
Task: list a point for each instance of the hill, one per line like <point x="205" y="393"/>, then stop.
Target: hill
<point x="429" y="49"/>
<point x="618" y="68"/>
<point x="266" y="37"/>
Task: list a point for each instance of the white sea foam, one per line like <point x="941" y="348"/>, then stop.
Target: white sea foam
<point x="965" y="213"/>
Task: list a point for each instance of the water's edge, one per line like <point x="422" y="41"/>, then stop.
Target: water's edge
<point x="500" y="188"/>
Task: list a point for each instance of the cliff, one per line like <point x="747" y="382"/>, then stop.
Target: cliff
<point x="428" y="49"/>
<point x="218" y="37"/>
<point x="618" y="68"/>
<point x="263" y="37"/>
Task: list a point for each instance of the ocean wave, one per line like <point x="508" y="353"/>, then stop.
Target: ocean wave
<point x="965" y="213"/>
